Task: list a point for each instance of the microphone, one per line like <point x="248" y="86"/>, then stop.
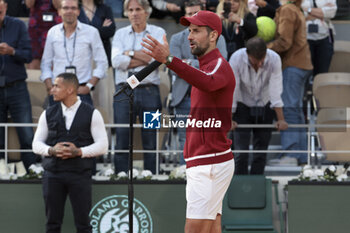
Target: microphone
<point x="134" y="80"/>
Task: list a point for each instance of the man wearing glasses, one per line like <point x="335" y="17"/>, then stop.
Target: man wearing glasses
<point x="70" y="47"/>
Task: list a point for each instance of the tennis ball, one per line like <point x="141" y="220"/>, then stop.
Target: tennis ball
<point x="266" y="28"/>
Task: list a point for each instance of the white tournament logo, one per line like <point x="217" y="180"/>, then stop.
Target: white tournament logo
<point x="110" y="215"/>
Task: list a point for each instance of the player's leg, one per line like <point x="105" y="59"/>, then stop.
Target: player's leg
<point x="198" y="225"/>
<point x="216" y="226"/>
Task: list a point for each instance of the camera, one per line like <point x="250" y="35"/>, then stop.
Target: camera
<point x="227" y="9"/>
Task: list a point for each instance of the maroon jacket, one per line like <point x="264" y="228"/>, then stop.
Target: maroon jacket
<point x="211" y="109"/>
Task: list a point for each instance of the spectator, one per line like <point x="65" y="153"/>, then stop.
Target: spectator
<point x="43" y="15"/>
<point x="99" y="15"/>
<point x="320" y="32"/>
<point x="70" y="47"/>
<point x="181" y="90"/>
<point x="291" y="44"/>
<point x="263" y="8"/>
<point x="69" y="135"/>
<point x="127" y="58"/>
<point x="258" y="73"/>
<point x="15" y="50"/>
<point x="116" y="6"/>
<point x="238" y="24"/>
<point x="17" y="8"/>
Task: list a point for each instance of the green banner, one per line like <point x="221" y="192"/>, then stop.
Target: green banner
<point x="158" y="207"/>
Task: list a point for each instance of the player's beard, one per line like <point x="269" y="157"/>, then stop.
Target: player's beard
<point x="200" y="50"/>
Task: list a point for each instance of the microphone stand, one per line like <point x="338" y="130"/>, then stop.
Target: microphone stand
<point x="130" y="94"/>
<point x="139" y="76"/>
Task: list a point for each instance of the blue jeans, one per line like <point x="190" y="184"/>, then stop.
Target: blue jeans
<point x="321" y="55"/>
<point x="117" y="7"/>
<point x="16" y="101"/>
<point x="145" y="99"/>
<point x="293" y="90"/>
<point x="182" y="109"/>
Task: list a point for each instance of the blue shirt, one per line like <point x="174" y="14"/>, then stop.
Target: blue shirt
<point x="82" y="47"/>
<point x="15" y="34"/>
<point x="125" y="39"/>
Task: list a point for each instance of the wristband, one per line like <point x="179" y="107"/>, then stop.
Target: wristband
<point x="90" y="86"/>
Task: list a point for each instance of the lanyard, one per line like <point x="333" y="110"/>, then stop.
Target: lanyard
<point x="65" y="47"/>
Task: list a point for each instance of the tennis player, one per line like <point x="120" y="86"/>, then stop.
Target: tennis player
<point x="207" y="151"/>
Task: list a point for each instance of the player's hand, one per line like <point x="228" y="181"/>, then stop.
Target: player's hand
<point x="155" y="49"/>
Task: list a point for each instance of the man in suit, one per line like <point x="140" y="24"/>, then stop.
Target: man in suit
<point x="181" y="90"/>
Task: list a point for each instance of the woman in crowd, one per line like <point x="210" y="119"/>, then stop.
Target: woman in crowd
<point x="238" y="24"/>
<point x="320" y="32"/>
<point x="99" y="15"/>
<point x="43" y="15"/>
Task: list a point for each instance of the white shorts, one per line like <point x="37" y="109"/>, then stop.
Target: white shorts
<point x="206" y="188"/>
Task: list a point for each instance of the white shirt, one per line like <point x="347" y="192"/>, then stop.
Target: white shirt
<point x="257" y="88"/>
<point x="125" y="39"/>
<point x="329" y="8"/>
<point x="88" y="47"/>
<point x="98" y="132"/>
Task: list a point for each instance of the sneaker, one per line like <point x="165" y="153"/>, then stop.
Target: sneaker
<point x="3" y="168"/>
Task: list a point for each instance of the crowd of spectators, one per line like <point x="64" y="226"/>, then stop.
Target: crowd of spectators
<point x="68" y="40"/>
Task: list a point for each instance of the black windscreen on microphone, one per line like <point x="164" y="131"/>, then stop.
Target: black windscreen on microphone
<point x="141" y="75"/>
